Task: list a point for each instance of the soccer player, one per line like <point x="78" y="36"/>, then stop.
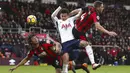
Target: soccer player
<point x="65" y="25"/>
<point x="89" y="17"/>
<point x="42" y="50"/>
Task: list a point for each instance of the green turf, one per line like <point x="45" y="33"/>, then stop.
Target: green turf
<point x="50" y="69"/>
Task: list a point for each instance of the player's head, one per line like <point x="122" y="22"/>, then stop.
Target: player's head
<point x="64" y="14"/>
<point x="33" y="41"/>
<point x="99" y="6"/>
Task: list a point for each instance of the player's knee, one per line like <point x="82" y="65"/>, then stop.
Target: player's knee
<point x="83" y="43"/>
<point x="89" y="46"/>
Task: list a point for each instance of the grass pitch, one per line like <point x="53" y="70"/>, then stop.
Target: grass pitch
<point x="50" y="69"/>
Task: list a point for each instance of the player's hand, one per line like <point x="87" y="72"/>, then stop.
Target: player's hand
<point x="12" y="69"/>
<point x="112" y="33"/>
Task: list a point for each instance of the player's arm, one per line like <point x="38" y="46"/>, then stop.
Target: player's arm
<point x="78" y="13"/>
<point x="74" y="12"/>
<point x="21" y="63"/>
<point x="102" y="29"/>
<point x="99" y="27"/>
<point x="54" y="14"/>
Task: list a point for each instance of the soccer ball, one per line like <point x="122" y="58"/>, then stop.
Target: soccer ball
<point x="31" y="19"/>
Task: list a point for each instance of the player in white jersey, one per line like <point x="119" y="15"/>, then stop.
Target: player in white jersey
<point x="65" y="25"/>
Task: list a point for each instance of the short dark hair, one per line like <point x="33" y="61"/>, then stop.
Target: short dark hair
<point x="97" y="4"/>
<point x="64" y="10"/>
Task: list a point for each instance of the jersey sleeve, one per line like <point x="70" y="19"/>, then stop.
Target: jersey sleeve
<point x="55" y="19"/>
<point x="54" y="14"/>
<point x="30" y="54"/>
<point x="95" y="17"/>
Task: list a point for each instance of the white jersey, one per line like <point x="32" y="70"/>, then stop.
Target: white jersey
<point x="65" y="29"/>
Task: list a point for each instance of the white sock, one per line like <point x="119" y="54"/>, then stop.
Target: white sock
<point x="90" y="54"/>
<point x="65" y="68"/>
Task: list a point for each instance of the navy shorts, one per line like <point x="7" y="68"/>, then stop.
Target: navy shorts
<point x="70" y="45"/>
<point x="74" y="54"/>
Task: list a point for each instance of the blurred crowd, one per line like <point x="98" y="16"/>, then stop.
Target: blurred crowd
<point x="115" y="18"/>
<point x="127" y="2"/>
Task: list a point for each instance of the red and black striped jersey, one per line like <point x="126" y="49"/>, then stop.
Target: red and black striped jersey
<point x="86" y="20"/>
<point x="43" y="48"/>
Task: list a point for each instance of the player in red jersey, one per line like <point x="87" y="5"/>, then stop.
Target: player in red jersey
<point x="43" y="50"/>
<point x="89" y="17"/>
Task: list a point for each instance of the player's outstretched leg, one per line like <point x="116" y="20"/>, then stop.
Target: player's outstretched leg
<point x="89" y="51"/>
